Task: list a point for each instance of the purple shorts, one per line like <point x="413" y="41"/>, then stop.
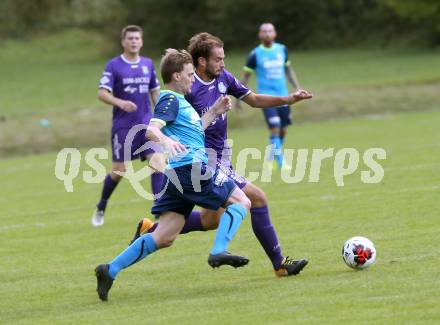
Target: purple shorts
<point x="121" y="154"/>
<point x="226" y="167"/>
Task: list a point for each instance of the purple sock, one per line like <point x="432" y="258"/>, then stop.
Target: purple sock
<point x="107" y="190"/>
<point x="193" y="223"/>
<point x="266" y="235"/>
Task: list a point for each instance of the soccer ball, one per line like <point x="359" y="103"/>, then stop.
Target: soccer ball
<point x="358" y="252"/>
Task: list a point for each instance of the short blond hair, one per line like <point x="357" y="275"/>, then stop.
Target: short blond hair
<point x="173" y="61"/>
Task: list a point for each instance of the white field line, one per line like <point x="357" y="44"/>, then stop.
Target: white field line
<point x="22" y="225"/>
<point x="37" y="167"/>
<point x="138" y="199"/>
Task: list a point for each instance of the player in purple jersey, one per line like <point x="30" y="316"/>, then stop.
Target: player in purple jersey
<point x="271" y="65"/>
<point x="127" y="83"/>
<point x="212" y="80"/>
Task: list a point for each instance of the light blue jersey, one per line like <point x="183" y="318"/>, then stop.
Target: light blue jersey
<point x="269" y="64"/>
<point x="181" y="123"/>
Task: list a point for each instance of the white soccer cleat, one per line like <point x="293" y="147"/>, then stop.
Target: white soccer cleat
<point x="98" y="218"/>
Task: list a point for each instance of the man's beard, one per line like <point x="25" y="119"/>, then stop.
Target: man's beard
<point x="211" y="74"/>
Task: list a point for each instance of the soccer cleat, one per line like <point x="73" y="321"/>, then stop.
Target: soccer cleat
<point x="290" y="267"/>
<point x="142" y="228"/>
<point x="227" y="258"/>
<point x="104" y="281"/>
<point x="98" y="218"/>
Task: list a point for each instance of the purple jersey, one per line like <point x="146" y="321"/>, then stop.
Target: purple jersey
<point x="204" y="94"/>
<point x="130" y="81"/>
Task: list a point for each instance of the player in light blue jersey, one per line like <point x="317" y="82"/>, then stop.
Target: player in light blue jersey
<point x="189" y="180"/>
<point x="271" y="65"/>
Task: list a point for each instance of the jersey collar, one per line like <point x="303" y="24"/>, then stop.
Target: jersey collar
<point x="130" y="62"/>
<point x="267" y="48"/>
<point x="203" y="82"/>
<point x="174" y="93"/>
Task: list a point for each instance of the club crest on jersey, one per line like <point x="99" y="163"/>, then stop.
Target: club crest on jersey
<point x="145" y="69"/>
<point x="104" y="80"/>
<point x="222" y="87"/>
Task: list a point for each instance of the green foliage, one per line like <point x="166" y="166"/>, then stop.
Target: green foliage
<point x="170" y="23"/>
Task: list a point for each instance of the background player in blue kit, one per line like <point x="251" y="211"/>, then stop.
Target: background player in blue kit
<point x="179" y="129"/>
<point x="127" y="83"/>
<point x="271" y="65"/>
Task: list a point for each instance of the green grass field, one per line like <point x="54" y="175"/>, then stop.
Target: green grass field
<point x="49" y="249"/>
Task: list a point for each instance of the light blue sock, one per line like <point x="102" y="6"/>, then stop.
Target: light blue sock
<point x="277" y="153"/>
<point x="142" y="247"/>
<point x="229" y="223"/>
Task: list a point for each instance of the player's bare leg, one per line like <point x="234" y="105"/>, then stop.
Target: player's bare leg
<point x="110" y="183"/>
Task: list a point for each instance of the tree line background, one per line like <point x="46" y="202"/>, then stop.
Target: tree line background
<point x="303" y="24"/>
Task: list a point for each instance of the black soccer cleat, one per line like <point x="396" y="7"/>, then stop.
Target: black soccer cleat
<point x="104" y="281"/>
<point x="227" y="258"/>
<point x="291" y="267"/>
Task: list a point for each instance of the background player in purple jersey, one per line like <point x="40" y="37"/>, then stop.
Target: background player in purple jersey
<point x="271" y="65"/>
<point x="127" y="83"/>
<point x="212" y="80"/>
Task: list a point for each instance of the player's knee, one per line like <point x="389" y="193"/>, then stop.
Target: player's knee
<point x="245" y="202"/>
<point x="115" y="176"/>
<point x="117" y="170"/>
<point x="165" y="241"/>
<point x="209" y="219"/>
<point x="258" y="198"/>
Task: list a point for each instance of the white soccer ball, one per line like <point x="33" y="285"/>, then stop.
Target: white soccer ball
<point x="359" y="252"/>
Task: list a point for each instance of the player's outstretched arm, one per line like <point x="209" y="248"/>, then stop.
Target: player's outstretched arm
<point x="154" y="133"/>
<point x="244" y="81"/>
<point x="107" y="97"/>
<point x="267" y="101"/>
<point x="222" y="105"/>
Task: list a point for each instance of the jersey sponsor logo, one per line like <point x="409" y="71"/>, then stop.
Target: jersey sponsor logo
<point x="134" y="66"/>
<point x="270" y="64"/>
<point x="222" y="87"/>
<point x="104" y="80"/>
<point x="137" y="80"/>
<point x="130" y="89"/>
<point x="143" y="89"/>
<point x="145" y="69"/>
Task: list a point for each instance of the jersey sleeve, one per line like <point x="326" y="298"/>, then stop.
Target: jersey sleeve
<point x="154" y="82"/>
<point x="166" y="109"/>
<point x="107" y="78"/>
<point x="286" y="55"/>
<point x="251" y="62"/>
<point x="235" y="87"/>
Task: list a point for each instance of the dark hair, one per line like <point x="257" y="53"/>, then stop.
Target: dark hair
<point x="173" y="61"/>
<point x="200" y="45"/>
<point x="131" y="28"/>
